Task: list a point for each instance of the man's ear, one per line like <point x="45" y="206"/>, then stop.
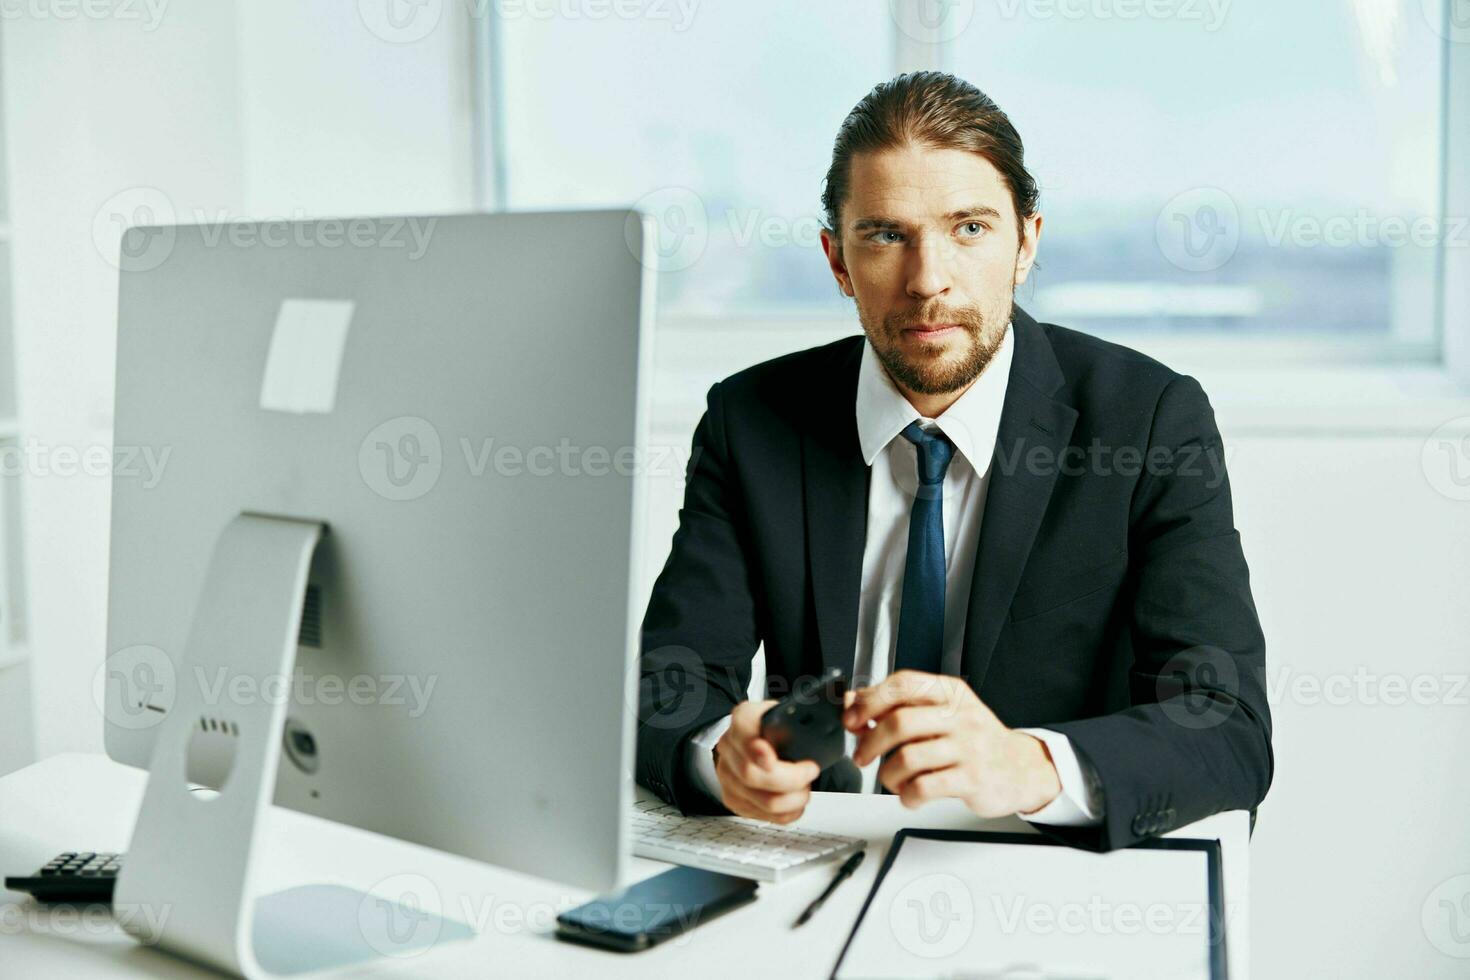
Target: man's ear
<point x="833" y="250"/>
<point x="1026" y="254"/>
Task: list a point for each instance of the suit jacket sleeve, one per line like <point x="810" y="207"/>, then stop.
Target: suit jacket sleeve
<point x="700" y="632"/>
<point x="1197" y="738"/>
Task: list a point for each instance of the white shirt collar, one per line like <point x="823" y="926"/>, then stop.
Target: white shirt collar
<point x="971" y="423"/>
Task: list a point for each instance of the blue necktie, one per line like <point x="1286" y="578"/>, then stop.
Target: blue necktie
<point x="921" y="616"/>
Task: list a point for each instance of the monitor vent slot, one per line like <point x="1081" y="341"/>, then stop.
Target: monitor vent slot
<point x="311" y="618"/>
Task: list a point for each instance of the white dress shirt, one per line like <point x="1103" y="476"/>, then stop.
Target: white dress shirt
<point x="972" y="424"/>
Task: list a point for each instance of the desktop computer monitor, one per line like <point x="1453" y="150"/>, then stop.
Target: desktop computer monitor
<point x="457" y="402"/>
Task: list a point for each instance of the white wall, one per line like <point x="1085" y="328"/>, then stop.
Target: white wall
<point x="275" y="106"/>
<point x="93" y="108"/>
<point x="263" y="109"/>
<point x="1357" y="563"/>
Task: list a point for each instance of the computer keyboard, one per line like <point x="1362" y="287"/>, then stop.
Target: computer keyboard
<point x="732" y="845"/>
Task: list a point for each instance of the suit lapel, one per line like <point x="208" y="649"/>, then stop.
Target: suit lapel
<point x="835" y="497"/>
<point x="1031" y="422"/>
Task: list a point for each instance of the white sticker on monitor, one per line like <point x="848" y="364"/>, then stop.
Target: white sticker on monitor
<point x="305" y="358"/>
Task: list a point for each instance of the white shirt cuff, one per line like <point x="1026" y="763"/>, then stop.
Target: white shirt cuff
<point x="1076" y="805"/>
<point x="699" y="757"/>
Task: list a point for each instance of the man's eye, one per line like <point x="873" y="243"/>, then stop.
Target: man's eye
<point x="978" y="228"/>
<point x="877" y="236"/>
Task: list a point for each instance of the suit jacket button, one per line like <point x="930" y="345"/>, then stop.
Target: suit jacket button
<point x="1140" y="826"/>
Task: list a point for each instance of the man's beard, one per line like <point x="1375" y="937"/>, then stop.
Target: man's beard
<point x="936" y="377"/>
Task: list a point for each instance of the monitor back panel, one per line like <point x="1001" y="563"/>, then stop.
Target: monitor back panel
<point x="466" y="671"/>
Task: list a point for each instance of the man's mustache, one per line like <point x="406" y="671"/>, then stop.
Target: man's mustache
<point x="971" y="320"/>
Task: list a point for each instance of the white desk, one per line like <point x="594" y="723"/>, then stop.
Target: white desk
<point x="73" y="802"/>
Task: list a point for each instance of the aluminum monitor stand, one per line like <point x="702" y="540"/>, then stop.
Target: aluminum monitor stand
<point x="192" y="859"/>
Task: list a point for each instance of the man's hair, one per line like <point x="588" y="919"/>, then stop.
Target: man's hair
<point x="932" y="109"/>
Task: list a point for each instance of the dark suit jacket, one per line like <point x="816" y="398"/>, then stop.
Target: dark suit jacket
<point x="1110" y="601"/>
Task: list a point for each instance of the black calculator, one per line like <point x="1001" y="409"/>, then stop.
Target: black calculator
<point x="74" y="877"/>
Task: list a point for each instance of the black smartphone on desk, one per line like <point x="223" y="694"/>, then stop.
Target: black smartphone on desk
<point x="648" y="912"/>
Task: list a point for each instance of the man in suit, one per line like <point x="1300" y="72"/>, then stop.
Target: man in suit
<point x="1017" y="539"/>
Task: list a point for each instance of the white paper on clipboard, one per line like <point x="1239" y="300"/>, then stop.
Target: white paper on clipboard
<point x="1023" y="911"/>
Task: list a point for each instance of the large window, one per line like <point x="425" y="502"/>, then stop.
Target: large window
<point x="1206" y="166"/>
<point x="719" y="121"/>
<point x="1263" y="167"/>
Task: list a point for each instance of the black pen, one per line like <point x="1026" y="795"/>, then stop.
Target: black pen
<point x="843" y="873"/>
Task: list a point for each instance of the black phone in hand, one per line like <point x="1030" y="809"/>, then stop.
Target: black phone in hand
<point x="807" y="723"/>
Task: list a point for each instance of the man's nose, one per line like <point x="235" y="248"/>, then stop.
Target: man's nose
<point x="928" y="267"/>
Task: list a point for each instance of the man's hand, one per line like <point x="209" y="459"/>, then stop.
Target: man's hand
<point x="945" y="742"/>
<point x="753" y="781"/>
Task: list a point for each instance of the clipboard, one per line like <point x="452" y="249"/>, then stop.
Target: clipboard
<point x="867" y="935"/>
